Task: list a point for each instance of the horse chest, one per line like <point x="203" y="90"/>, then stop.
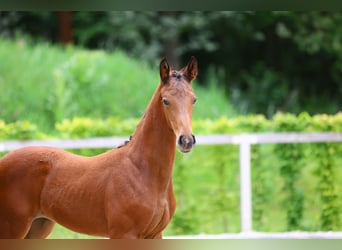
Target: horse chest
<point x="160" y="219"/>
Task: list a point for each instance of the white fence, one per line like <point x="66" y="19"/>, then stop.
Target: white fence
<point x="244" y="141"/>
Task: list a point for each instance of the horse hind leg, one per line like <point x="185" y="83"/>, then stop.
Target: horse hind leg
<point x="40" y="228"/>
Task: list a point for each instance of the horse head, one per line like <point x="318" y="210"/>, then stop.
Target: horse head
<point x="177" y="98"/>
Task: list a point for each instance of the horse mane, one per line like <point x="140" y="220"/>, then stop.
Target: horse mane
<point x="125" y="142"/>
<point x="176" y="74"/>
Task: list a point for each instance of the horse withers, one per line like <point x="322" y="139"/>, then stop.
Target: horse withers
<point x="123" y="193"/>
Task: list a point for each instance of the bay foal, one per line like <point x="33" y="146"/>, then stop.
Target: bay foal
<point x="123" y="193"/>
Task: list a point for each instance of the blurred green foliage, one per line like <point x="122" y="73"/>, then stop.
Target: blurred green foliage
<point x="19" y="130"/>
<point x="267" y="61"/>
<point x="45" y="84"/>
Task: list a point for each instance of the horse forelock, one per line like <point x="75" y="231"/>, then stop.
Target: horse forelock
<point x="178" y="85"/>
<point x="176" y="74"/>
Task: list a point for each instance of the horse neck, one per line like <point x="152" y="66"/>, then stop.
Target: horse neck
<point x="153" y="144"/>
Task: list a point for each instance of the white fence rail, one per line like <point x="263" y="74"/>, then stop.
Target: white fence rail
<point x="244" y="141"/>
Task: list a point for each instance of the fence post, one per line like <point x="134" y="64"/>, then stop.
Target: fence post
<point x="245" y="186"/>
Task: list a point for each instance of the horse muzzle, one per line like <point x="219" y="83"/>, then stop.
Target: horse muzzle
<point x="186" y="143"/>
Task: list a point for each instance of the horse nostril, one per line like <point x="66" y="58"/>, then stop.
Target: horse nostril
<point x="186" y="141"/>
<point x="181" y="140"/>
<point x="193" y="139"/>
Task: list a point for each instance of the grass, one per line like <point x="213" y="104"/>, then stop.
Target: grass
<point x="45" y="84"/>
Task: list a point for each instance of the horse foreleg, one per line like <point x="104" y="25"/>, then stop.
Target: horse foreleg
<point x="158" y="236"/>
<point x="13" y="227"/>
<point x="40" y="229"/>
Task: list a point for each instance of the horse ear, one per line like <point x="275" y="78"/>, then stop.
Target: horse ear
<point x="190" y="71"/>
<point x="164" y="70"/>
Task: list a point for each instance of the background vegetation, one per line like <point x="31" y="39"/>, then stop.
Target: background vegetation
<point x="295" y="186"/>
<point x="293" y="58"/>
<point x="250" y="63"/>
<point x="45" y="84"/>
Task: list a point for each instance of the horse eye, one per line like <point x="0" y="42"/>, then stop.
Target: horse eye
<point x="194" y="101"/>
<point x="165" y="102"/>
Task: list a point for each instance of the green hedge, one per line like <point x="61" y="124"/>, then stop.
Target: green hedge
<point x="295" y="186"/>
<point x="20" y="130"/>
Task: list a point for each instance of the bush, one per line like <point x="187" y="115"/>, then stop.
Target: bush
<point x="20" y="130"/>
<point x="51" y="83"/>
<point x="81" y="127"/>
<point x="216" y="167"/>
<point x="327" y="169"/>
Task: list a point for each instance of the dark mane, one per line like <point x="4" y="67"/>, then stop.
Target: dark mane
<point x="125" y="142"/>
<point x="176" y="74"/>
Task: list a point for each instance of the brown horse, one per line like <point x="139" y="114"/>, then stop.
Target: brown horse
<point x="123" y="193"/>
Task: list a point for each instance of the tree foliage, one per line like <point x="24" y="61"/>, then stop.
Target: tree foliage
<point x="266" y="61"/>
